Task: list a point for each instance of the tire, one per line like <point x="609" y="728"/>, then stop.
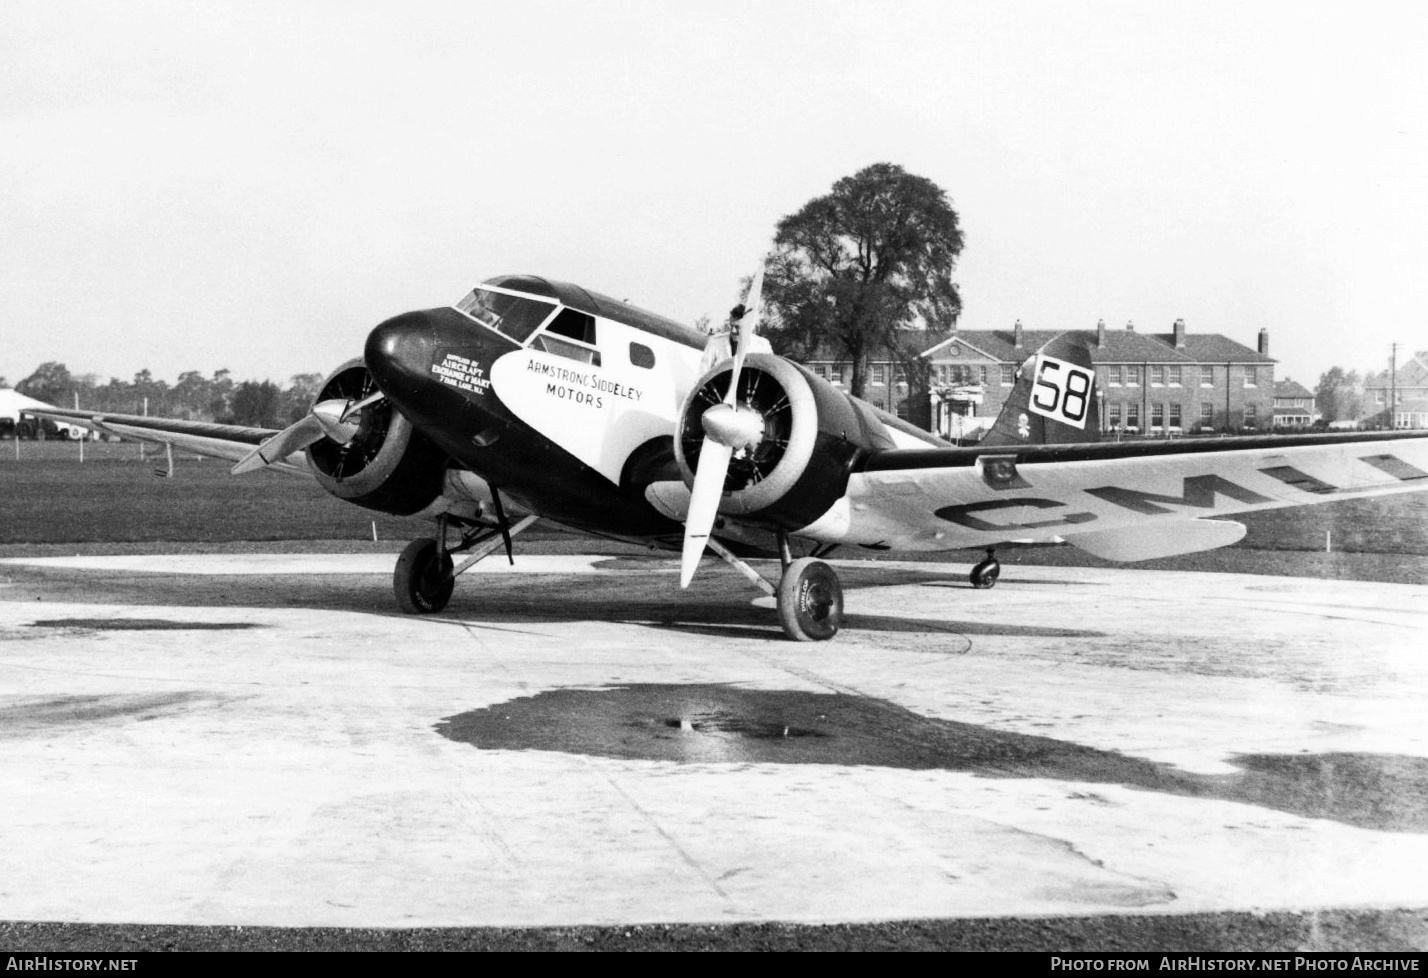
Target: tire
<point x="423" y="580"/>
<point x="810" y="601"/>
<point x="985" y="574"/>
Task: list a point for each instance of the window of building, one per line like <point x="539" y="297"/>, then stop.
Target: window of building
<point x="1157" y="415"/>
<point x="1113" y="375"/>
<point x="1008" y="374"/>
<point x="982" y="376"/>
<point x="1251" y="415"/>
<point x="1132" y="376"/>
<point x="821" y="370"/>
<point x="1207" y="376"/>
<point x="1207" y="415"/>
<point x="835" y="373"/>
<point x="1251" y="376"/>
<point x="1132" y="415"/>
<point x="880" y="373"/>
<point x="1157" y="376"/>
<point x="1175" y="414"/>
<point x="1114" y="420"/>
<point x="1173" y="376"/>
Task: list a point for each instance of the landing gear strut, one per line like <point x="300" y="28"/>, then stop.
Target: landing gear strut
<point x="425" y="575"/>
<point x="985" y="574"/>
<point x="809" y="596"/>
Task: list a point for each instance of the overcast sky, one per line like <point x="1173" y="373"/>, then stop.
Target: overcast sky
<point x="252" y="186"/>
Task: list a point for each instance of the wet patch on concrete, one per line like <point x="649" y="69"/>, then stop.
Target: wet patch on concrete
<point x="29" y="717"/>
<point x="142" y="625"/>
<point x="726" y="724"/>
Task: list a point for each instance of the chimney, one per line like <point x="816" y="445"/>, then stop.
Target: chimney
<point x="1016" y="335"/>
<point x="1130" y="326"/>
<point x="1179" y="334"/>
<point x="1264" y="342"/>
<point x="1101" y="334"/>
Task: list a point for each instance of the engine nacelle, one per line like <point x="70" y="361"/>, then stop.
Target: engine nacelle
<point x="813" y="433"/>
<point x="388" y="465"/>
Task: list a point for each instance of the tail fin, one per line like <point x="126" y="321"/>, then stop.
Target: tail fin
<point x="1053" y="401"/>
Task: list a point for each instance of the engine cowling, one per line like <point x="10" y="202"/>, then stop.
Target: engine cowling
<point x="388" y="465"/>
<point x="812" y="436"/>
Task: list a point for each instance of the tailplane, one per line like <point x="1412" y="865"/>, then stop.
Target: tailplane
<point x="1053" y="400"/>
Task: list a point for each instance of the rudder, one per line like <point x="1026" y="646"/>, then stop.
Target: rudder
<point x="1054" y="389"/>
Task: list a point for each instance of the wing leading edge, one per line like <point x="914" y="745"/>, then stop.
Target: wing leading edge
<point x="1118" y="499"/>
<point x="229" y="442"/>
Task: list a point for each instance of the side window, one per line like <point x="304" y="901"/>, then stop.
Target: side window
<point x="571" y="325"/>
<point x="641" y="356"/>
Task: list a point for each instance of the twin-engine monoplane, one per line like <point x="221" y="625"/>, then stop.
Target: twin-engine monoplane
<point x="533" y="399"/>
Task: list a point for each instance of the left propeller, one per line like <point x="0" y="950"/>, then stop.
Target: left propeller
<point x="337" y="419"/>
<point x="729" y="427"/>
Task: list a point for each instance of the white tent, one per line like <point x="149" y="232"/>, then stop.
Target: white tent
<point x="13" y="402"/>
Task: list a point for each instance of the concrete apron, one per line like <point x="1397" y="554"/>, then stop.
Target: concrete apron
<point x="1070" y="742"/>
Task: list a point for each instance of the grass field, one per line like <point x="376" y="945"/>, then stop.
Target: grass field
<point x="47" y="496"/>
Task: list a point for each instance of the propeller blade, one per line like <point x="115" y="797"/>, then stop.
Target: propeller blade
<point x="714" y="456"/>
<point x="746" y="332"/>
<point x="293" y="438"/>
<point x="703" y="505"/>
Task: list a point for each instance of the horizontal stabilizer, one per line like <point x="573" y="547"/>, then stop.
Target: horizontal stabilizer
<point x="1153" y="540"/>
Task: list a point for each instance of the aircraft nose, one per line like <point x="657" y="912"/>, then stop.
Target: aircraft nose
<point x="399" y="351"/>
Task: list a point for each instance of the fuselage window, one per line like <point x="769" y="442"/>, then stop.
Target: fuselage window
<point x="511" y="315"/>
<point x="571" y="325"/>
<point x="641" y="355"/>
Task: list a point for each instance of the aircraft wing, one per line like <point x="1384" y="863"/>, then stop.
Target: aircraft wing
<point x="231" y="442"/>
<point x="1118" y="500"/>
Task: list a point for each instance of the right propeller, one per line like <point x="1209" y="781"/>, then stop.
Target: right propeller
<point x="728" y="427"/>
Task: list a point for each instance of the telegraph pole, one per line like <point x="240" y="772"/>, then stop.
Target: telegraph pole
<point x="1393" y="387"/>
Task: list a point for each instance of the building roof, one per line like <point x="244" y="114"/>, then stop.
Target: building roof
<point x="1122" y="346"/>
<point x="1290" y="388"/>
<point x="1413" y="373"/>
<point x="1214" y="348"/>
<point x="1292" y="412"/>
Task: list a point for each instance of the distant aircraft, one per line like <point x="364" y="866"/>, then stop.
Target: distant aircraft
<point x="538" y="399"/>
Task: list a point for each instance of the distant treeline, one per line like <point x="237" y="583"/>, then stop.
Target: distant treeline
<point x="259" y="403"/>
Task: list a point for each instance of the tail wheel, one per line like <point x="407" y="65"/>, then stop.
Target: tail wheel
<point x="810" y="601"/>
<point x="985" y="574"/>
<point x="423" y="580"/>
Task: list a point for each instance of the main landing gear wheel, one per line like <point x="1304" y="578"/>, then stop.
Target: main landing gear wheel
<point x="810" y="601"/>
<point x="423" y="580"/>
<point x="985" y="574"/>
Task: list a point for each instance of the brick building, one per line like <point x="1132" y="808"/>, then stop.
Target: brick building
<point x="1407" y="391"/>
<point x="1149" y="383"/>
<point x="1293" y="405"/>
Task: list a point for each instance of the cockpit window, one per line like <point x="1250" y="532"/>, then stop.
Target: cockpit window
<point x="515" y="316"/>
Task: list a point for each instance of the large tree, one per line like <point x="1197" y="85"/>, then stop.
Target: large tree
<point x="50" y="383"/>
<point x="854" y="269"/>
<point x="1339" y="396"/>
<point x="255" y="403"/>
